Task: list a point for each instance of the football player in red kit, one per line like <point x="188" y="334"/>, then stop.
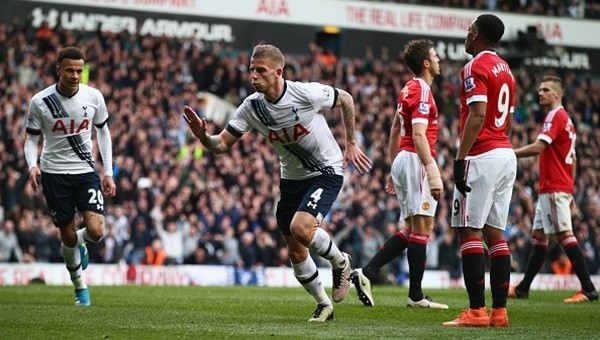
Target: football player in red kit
<point x="484" y="173"/>
<point x="555" y="145"/>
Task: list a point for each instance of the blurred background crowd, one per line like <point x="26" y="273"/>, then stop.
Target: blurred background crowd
<point x="178" y="204"/>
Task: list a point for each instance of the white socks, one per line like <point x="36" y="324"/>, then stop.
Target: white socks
<point x="73" y="260"/>
<point x="82" y="236"/>
<point x="324" y="247"/>
<point x="307" y="274"/>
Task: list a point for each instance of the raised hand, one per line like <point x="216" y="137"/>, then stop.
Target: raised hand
<point x="196" y="124"/>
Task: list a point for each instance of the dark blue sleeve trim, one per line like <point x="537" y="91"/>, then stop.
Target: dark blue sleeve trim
<point x="335" y="97"/>
<point x="101" y="125"/>
<point x="33" y="131"/>
<point x="233" y="131"/>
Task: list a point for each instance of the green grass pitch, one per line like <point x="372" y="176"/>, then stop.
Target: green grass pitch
<point x="144" y="312"/>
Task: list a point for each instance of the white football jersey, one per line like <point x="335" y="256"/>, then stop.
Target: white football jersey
<point x="66" y="124"/>
<point x="294" y="124"/>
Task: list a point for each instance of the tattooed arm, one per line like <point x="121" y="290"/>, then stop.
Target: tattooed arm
<point x="215" y="143"/>
<point x="346" y="104"/>
<point x="353" y="154"/>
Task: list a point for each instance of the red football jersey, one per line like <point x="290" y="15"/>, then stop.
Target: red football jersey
<point x="417" y="106"/>
<point x="487" y="78"/>
<point x="556" y="161"/>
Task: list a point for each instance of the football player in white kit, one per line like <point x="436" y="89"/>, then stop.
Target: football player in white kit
<point x="64" y="114"/>
<point x="289" y="115"/>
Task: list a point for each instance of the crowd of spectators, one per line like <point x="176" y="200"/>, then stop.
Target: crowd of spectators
<point x="178" y="204"/>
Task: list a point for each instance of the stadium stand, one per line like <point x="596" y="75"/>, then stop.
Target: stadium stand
<point x="225" y="203"/>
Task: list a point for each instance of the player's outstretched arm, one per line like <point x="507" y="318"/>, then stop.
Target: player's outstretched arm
<point x="216" y="143"/>
<point x="532" y="149"/>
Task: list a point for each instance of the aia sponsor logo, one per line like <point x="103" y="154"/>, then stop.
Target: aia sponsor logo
<point x="70" y="126"/>
<point x="288" y="135"/>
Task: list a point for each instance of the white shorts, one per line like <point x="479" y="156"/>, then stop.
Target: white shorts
<point x="553" y="213"/>
<point x="412" y="188"/>
<point x="491" y="177"/>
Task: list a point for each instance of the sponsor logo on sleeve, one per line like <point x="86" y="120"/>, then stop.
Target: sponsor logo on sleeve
<point x="469" y="84"/>
<point x="547" y="126"/>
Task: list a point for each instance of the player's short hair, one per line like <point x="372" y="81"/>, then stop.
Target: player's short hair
<point x="556" y="80"/>
<point x="269" y="52"/>
<point x="71" y="52"/>
<point x="415" y="52"/>
<point x="490" y="26"/>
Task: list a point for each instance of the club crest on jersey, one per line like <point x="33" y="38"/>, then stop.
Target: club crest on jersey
<point x="424" y="108"/>
<point x="295" y="111"/>
<point x="288" y="134"/>
<point x="469" y="84"/>
<point x="84" y="111"/>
